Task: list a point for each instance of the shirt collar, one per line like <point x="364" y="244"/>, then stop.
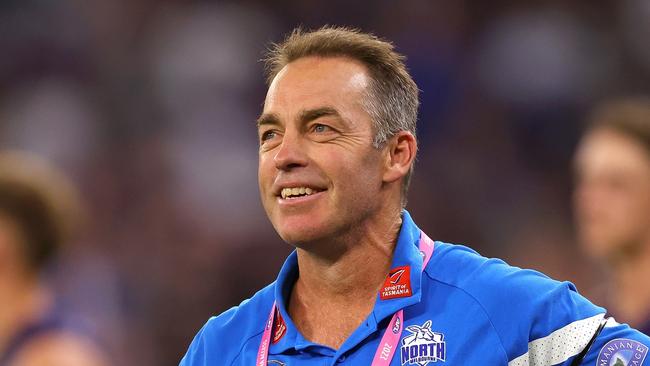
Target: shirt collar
<point x="283" y="286"/>
<point x="406" y="253"/>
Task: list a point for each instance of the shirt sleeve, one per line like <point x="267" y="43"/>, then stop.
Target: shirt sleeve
<point x="539" y="321"/>
<point x="617" y="345"/>
<point x="564" y="328"/>
<point x="555" y="326"/>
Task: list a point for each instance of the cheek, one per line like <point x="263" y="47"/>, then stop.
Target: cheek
<point x="359" y="166"/>
<point x="630" y="205"/>
<point x="264" y="171"/>
<point x="10" y="252"/>
<point x="361" y="178"/>
<point x="265" y="178"/>
<point x="638" y="209"/>
<point x="626" y="219"/>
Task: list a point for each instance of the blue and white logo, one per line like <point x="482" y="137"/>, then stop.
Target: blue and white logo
<point x="622" y="352"/>
<point x="423" y="345"/>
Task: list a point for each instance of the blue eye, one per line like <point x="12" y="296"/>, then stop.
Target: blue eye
<point x="320" y="128"/>
<point x="267" y="135"/>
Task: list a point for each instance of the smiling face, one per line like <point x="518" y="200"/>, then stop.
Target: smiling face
<point x="319" y="175"/>
<point x="612" y="197"/>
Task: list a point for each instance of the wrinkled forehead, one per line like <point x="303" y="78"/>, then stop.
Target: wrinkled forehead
<point x="313" y="81"/>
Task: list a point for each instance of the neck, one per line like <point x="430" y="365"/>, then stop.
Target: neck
<point x="344" y="285"/>
<point x="361" y="264"/>
<point x="628" y="291"/>
<point x="23" y="301"/>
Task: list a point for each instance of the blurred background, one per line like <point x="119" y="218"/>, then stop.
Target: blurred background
<point x="150" y="106"/>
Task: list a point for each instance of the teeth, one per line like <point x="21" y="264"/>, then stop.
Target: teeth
<point x="295" y="191"/>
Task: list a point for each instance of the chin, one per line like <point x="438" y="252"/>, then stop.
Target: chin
<point x="295" y="231"/>
<point x="598" y="251"/>
<point x="298" y="237"/>
<point x="596" y="247"/>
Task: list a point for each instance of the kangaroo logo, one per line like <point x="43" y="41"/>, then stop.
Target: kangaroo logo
<point x="423" y="345"/>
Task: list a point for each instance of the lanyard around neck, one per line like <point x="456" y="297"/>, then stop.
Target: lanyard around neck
<point x="389" y="341"/>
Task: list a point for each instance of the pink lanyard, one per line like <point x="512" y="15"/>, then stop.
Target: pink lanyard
<point x="391" y="337"/>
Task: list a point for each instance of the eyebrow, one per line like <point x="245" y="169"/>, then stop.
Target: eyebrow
<point x="312" y="114"/>
<point x="268" y="119"/>
<point x="305" y="116"/>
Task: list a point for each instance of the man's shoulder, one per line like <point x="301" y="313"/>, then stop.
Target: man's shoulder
<point x="222" y="338"/>
<point x="247" y="313"/>
<point x="464" y="268"/>
<point x="510" y="295"/>
<point x="494" y="283"/>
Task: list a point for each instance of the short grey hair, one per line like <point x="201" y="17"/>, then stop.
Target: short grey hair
<point x="392" y="98"/>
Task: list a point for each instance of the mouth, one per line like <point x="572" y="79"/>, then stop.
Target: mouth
<point x="291" y="193"/>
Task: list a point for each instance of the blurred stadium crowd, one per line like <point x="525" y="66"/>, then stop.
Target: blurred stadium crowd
<point x="149" y="105"/>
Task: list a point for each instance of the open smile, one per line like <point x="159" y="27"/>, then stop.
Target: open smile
<point x="290" y="195"/>
<point x="295" y="192"/>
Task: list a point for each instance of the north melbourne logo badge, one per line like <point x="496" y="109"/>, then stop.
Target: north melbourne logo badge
<point x="423" y="346"/>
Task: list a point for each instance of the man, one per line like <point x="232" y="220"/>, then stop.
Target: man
<point x="365" y="285"/>
<point x="37" y="215"/>
<point x="612" y="201"/>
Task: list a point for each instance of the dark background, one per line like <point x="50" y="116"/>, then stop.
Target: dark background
<point x="150" y="106"/>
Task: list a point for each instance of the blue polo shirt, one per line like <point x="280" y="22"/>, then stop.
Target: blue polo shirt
<point x="463" y="309"/>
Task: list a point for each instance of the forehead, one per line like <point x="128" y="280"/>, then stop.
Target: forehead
<point x="608" y="150"/>
<point x="312" y="82"/>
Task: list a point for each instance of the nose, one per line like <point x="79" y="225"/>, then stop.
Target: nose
<point x="290" y="153"/>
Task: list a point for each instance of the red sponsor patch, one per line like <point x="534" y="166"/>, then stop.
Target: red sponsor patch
<point x="280" y="327"/>
<point x="397" y="284"/>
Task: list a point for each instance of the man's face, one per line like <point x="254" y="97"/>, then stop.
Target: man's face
<point x="612" y="197"/>
<point x="319" y="175"/>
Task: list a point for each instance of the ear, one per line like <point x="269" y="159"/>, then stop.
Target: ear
<point x="400" y="155"/>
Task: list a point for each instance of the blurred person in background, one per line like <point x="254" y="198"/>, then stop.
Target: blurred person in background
<point x="365" y="286"/>
<point x="39" y="212"/>
<point x="612" y="204"/>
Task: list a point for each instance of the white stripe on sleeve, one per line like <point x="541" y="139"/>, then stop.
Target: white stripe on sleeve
<point x="560" y="345"/>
